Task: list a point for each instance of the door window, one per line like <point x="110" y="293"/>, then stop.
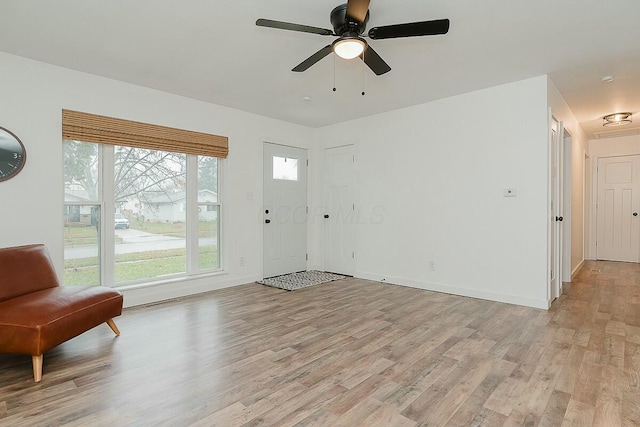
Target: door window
<point x="285" y="168"/>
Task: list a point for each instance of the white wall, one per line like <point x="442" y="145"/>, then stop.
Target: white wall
<point x="430" y="177"/>
<point x="606" y="147"/>
<point x="609" y="147"/>
<point x="579" y="146"/>
<point x="33" y="95"/>
<point x="430" y="188"/>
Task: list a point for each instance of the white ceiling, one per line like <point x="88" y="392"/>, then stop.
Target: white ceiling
<point x="212" y="51"/>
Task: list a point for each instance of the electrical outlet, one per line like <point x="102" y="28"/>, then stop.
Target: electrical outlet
<point x="432" y="266"/>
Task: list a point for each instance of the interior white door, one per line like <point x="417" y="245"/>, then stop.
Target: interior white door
<point x="285" y="210"/>
<point x="617" y="209"/>
<point x="556" y="219"/>
<point x="340" y="215"/>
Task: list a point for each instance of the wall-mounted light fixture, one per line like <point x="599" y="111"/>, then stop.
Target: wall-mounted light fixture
<point x="616" y="119"/>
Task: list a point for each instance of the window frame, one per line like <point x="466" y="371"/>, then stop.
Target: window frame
<point x="106" y="204"/>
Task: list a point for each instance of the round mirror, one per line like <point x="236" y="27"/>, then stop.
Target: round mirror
<point x="12" y="155"/>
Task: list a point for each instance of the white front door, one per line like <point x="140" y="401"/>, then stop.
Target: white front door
<point x="618" y="209"/>
<point x="285" y="210"/>
<point x="340" y="215"/>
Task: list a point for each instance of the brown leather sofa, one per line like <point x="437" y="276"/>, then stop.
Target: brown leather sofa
<point x="37" y="314"/>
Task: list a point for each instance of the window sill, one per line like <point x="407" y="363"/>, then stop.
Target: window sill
<point x="170" y="280"/>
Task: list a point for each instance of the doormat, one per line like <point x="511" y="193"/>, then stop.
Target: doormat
<point x="302" y="279"/>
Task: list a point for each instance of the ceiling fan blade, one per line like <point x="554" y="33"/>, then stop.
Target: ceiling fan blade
<point x="293" y="27"/>
<point x="357" y="9"/>
<point x="304" y="65"/>
<point x="375" y="62"/>
<point x="413" y="29"/>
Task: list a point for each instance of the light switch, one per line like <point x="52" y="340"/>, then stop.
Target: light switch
<point x="510" y="192"/>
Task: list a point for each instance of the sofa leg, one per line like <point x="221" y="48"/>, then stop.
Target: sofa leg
<point x="37" y="367"/>
<point x="113" y="326"/>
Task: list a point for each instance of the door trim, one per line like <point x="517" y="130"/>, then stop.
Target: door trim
<point x="555" y="187"/>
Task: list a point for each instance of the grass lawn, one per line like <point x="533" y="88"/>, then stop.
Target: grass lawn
<point x="177" y="229"/>
<point x="137" y="266"/>
<point x="82" y="236"/>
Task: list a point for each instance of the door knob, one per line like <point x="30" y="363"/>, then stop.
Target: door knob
<point x="635" y="214"/>
<point x="267" y="221"/>
<point x="326" y="215"/>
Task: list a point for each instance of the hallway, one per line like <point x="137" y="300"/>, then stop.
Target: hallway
<point x="599" y="317"/>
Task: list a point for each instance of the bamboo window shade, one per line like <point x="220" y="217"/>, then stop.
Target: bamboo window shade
<point x="108" y="130"/>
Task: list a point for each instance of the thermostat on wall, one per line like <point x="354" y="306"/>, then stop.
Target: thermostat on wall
<point x="510" y="192"/>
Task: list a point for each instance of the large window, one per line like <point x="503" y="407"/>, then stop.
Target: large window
<point x="134" y="215"/>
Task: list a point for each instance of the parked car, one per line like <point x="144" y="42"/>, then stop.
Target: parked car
<point x="121" y="221"/>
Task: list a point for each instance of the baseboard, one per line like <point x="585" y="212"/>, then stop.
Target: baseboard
<point x="182" y="288"/>
<point x="176" y="289"/>
<point x="577" y="269"/>
<point x="461" y="291"/>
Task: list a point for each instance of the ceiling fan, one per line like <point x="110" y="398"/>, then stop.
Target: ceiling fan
<point x="349" y="22"/>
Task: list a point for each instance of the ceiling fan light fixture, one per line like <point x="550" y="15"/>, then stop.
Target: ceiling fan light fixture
<point x="349" y="47"/>
<point x="616" y="119"/>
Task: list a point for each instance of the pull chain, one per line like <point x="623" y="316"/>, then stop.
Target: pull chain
<point x="363" y="73"/>
<point x="334" y="72"/>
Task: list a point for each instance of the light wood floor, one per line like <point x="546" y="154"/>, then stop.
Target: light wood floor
<point x="348" y="353"/>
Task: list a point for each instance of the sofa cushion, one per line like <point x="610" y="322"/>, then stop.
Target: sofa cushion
<point x="25" y="269"/>
<point x="38" y="321"/>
